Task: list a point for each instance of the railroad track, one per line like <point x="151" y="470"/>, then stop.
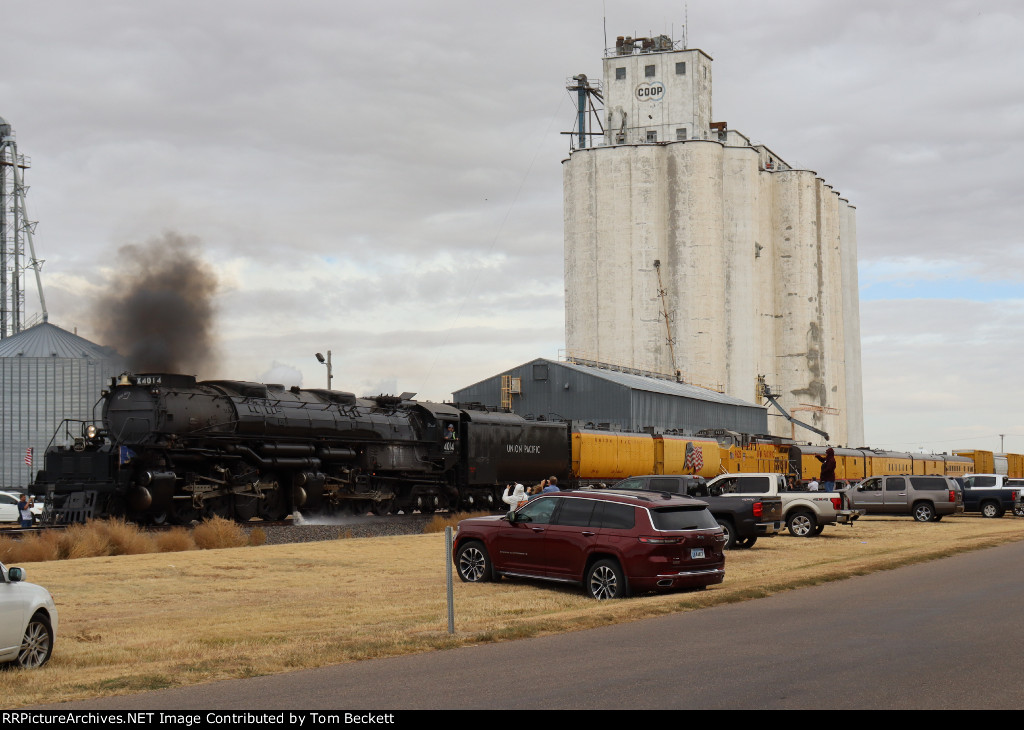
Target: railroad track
<point x="309" y="529"/>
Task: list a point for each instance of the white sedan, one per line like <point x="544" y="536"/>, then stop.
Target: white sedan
<point x="9" y="508"/>
<point x="28" y="620"/>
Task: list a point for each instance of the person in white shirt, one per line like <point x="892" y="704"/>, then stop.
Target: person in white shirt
<point x="514" y="497"/>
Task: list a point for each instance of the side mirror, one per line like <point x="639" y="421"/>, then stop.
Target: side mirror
<point x="15" y="575"/>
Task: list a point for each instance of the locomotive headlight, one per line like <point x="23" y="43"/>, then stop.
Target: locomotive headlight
<point x="91" y="431"/>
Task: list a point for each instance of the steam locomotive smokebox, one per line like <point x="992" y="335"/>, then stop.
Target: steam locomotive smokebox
<point x="503" y="448"/>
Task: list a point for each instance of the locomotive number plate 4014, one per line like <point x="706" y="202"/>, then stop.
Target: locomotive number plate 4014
<point x="696" y="553"/>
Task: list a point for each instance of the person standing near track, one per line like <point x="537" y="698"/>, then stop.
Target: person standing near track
<point x="25" y="510"/>
<point x="515" y="497"/>
<point x="828" y="469"/>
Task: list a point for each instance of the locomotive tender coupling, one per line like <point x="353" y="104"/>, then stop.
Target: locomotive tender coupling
<point x="168" y="448"/>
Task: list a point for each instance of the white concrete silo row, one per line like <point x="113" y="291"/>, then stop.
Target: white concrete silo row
<point x="759" y="268"/>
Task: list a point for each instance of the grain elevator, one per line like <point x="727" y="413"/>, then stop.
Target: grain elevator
<point x="690" y="250"/>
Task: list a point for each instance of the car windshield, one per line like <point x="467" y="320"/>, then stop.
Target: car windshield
<point x="683" y="518"/>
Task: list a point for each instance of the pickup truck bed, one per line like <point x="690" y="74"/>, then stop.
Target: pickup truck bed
<point x="806" y="513"/>
<point x="744" y="519"/>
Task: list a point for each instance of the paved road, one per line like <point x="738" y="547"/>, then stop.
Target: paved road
<point x="938" y="635"/>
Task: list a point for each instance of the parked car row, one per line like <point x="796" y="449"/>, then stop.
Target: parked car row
<point x="930" y="498"/>
<point x="662" y="532"/>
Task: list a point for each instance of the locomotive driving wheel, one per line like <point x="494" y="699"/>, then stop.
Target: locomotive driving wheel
<point x="220" y="507"/>
<point x="361" y="506"/>
<point x="381" y="506"/>
<point x="184" y="512"/>
<point x="246" y="506"/>
<point x="273" y="507"/>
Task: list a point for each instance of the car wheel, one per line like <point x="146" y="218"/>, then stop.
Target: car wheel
<point x="473" y="563"/>
<point x="743" y="543"/>
<point x="36" y="644"/>
<point x="730" y="534"/>
<point x="937" y="518"/>
<point x="605" y="579"/>
<point x="817" y="530"/>
<point x="991" y="509"/>
<point x="924" y="512"/>
<point x="801" y="524"/>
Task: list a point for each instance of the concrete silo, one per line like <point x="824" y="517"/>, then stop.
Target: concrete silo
<point x="690" y="249"/>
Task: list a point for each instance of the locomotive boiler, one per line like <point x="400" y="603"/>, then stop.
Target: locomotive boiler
<point x="168" y="448"/>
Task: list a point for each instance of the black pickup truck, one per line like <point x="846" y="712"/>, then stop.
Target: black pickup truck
<point x="744" y="519"/>
<point x="989" y="494"/>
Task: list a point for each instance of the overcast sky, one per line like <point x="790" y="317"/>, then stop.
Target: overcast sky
<point x="384" y="179"/>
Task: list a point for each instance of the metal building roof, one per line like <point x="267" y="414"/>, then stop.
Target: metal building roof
<point x="655" y="385"/>
<point x="49" y="340"/>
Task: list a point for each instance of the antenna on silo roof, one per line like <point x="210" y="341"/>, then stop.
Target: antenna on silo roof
<point x="604" y="18"/>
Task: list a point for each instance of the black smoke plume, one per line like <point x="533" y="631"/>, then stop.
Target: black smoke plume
<point x="158" y="310"/>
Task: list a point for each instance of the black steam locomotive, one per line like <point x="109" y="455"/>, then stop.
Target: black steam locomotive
<point x="169" y="449"/>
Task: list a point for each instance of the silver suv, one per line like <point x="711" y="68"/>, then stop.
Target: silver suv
<point x="926" y="498"/>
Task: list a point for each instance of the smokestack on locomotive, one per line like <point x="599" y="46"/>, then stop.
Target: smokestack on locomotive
<point x="171" y="448"/>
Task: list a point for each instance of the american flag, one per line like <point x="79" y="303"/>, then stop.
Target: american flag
<point x="694" y="458"/>
<point x="28" y="456"/>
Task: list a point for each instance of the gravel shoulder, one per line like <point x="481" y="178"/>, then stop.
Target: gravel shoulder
<point x="341" y="528"/>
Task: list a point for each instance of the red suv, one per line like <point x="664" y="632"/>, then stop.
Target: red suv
<point x="613" y="543"/>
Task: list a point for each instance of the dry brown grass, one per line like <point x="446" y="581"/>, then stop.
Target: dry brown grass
<point x="216" y="532"/>
<point x="83" y="541"/>
<point x="135" y="623"/>
<point x="174" y="540"/>
<point x="37" y="547"/>
<point x="102" y="538"/>
<point x="7" y="549"/>
<point x="440" y="522"/>
<point x="125" y="538"/>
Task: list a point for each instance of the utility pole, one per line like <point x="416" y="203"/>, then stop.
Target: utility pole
<point x="326" y="362"/>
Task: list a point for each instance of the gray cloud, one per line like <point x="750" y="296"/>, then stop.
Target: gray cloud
<point x="385" y="179"/>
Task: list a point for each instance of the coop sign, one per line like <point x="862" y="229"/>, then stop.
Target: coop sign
<point x="650" y="92"/>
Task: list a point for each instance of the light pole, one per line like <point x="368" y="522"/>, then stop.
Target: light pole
<point x="326" y="362"/>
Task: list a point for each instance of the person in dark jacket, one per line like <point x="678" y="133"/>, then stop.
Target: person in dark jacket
<point x="828" y="469"/>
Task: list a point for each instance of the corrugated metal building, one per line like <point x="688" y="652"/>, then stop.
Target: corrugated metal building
<point x="47" y="374"/>
<point x="618" y="399"/>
